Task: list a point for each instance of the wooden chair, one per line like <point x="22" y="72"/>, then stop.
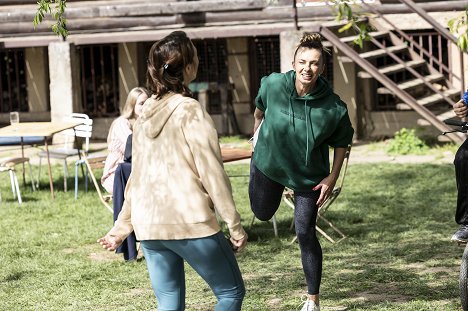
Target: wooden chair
<point x="288" y="198"/>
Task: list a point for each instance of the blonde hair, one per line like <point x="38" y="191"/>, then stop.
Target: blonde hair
<point x="311" y="41"/>
<point x="128" y="109"/>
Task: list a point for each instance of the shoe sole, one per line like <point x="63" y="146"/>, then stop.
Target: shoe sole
<point x="459" y="242"/>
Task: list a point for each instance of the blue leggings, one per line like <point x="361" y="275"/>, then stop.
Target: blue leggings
<point x="211" y="257"/>
<point x="265" y="198"/>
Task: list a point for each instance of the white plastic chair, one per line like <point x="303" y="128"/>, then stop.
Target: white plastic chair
<point x="8" y="165"/>
<point x="83" y="130"/>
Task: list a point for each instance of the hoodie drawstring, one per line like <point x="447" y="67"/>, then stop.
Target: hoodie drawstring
<point x="307" y="133"/>
<point x="291" y="118"/>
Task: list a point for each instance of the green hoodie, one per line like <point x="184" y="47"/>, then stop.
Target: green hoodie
<point x="293" y="142"/>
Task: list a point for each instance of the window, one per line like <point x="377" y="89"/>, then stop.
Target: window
<point x="99" y="80"/>
<point x="13" y="88"/>
<point x="213" y="67"/>
<point x="264" y="58"/>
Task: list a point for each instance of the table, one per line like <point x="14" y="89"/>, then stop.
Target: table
<point x="43" y="129"/>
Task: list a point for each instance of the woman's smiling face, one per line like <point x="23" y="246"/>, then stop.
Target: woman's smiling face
<point x="308" y="65"/>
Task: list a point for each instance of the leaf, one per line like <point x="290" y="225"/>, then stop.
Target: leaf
<point x="358" y="41"/>
<point x="451" y="23"/>
<point x="346" y="27"/>
<point x="462" y="42"/>
<point x="57" y="13"/>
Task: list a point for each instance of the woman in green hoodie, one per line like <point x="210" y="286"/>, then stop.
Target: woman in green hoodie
<point x="300" y="117"/>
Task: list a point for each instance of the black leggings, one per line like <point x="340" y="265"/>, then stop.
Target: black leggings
<point x="265" y="197"/>
<point x="461" y="174"/>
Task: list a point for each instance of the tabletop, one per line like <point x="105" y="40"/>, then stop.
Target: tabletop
<point x="45" y="129"/>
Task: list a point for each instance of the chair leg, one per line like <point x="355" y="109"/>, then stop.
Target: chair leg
<point x="289" y="200"/>
<point x="31" y="176"/>
<point x="65" y="175"/>
<point x="330" y="224"/>
<point x="12" y="182"/>
<point x="76" y="179"/>
<point x="324" y="234"/>
<point x="15" y="180"/>
<point x="275" y="226"/>
<point x="39" y="173"/>
<point x="252" y="222"/>
<point x="273" y="219"/>
<point x="86" y="178"/>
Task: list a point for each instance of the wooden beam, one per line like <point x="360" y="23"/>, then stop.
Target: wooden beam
<point x="146" y="8"/>
<point x="230" y="31"/>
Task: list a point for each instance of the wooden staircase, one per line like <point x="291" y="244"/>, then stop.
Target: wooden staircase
<point x="405" y="80"/>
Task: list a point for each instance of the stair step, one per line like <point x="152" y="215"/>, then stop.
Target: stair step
<point x="442" y="117"/>
<point x="383" y="52"/>
<point x="428" y="100"/>
<point x="432" y="99"/>
<point x="393" y="68"/>
<point x="412" y="83"/>
<point x="446" y="115"/>
<point x="374" y="34"/>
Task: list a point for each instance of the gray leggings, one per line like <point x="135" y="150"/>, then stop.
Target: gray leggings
<point x="265" y="197"/>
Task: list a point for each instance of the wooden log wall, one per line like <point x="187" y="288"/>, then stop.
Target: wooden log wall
<point x="120" y="15"/>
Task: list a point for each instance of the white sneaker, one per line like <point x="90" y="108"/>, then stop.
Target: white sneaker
<point x="310" y="305"/>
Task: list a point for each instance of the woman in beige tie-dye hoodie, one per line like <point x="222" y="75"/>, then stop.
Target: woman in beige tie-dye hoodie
<point x="177" y="183"/>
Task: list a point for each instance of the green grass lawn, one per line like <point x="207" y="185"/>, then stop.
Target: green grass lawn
<point x="398" y="219"/>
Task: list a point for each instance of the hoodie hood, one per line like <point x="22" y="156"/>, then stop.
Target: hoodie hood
<point x="156" y="113"/>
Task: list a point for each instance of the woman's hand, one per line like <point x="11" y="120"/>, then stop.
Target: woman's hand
<point x="326" y="187"/>
<point x="460" y="109"/>
<point x="110" y="242"/>
<point x="239" y="245"/>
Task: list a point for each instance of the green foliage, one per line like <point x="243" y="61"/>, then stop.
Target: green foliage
<point x="459" y="27"/>
<point x="360" y="25"/>
<point x="57" y="12"/>
<point x="407" y="142"/>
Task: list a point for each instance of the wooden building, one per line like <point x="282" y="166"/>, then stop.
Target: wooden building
<point x="408" y="76"/>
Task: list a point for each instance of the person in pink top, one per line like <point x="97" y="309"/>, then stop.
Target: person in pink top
<point x="119" y="131"/>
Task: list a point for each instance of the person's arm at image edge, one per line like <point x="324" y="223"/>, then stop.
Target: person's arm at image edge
<point x="460" y="109"/>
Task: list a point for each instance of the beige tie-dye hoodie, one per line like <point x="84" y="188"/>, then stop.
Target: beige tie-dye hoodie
<point x="177" y="175"/>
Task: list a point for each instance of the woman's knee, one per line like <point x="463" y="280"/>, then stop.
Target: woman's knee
<point x="231" y="300"/>
<point x="263" y="215"/>
<point x="264" y="207"/>
<point x="305" y="232"/>
<point x="306" y="236"/>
